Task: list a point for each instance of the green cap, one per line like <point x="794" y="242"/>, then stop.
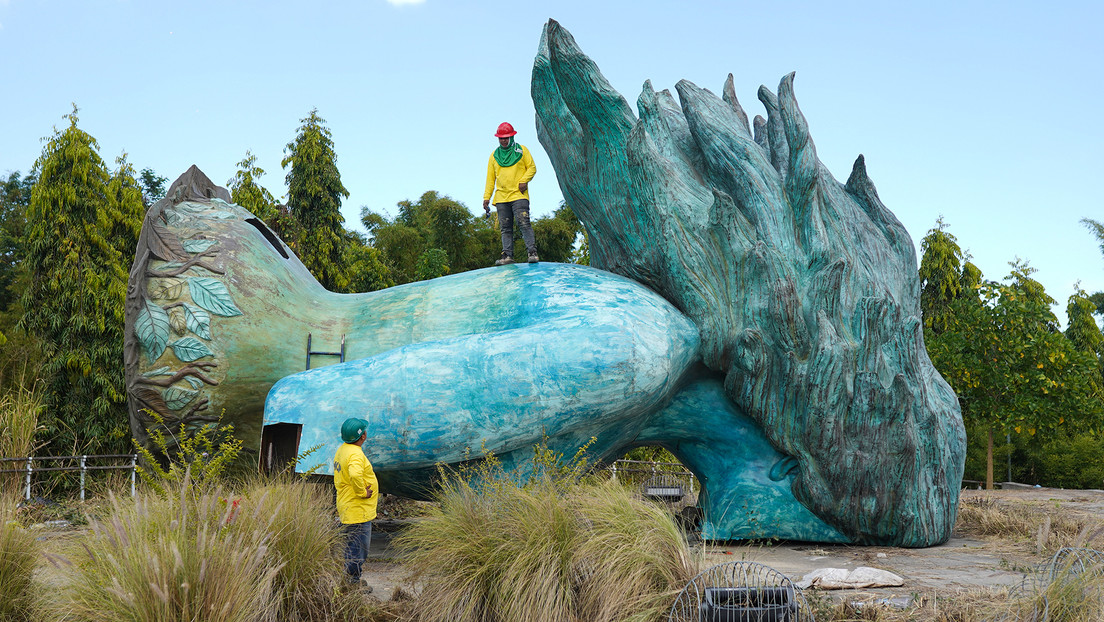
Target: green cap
<point x="352" y="429"/>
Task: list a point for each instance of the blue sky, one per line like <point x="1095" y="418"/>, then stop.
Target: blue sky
<point x="987" y="113"/>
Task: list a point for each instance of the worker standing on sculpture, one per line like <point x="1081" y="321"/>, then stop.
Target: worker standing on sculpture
<point x="357" y="494"/>
<point x="509" y="170"/>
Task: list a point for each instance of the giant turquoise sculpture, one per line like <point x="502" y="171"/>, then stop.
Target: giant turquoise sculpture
<point x="762" y="324"/>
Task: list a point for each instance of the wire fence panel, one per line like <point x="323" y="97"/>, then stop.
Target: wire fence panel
<point x="27" y="466"/>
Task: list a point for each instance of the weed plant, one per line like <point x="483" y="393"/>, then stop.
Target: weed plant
<point x="201" y="455"/>
<point x="1071" y="595"/>
<point x="19" y="554"/>
<point x="542" y="542"/>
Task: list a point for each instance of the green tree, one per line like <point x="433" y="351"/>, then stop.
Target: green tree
<point x="126" y="200"/>
<point x="314" y="200"/>
<point x="1012" y="369"/>
<point x="15" y="196"/>
<point x="366" y="270"/>
<point x="1097" y="228"/>
<point x="557" y="236"/>
<point x="946" y="275"/>
<point x="1082" y="329"/>
<point x="248" y="193"/>
<point x="432" y="264"/>
<point x="153" y="186"/>
<point x="74" y="299"/>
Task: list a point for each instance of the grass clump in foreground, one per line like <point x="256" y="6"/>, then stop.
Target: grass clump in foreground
<point x="18" y="557"/>
<point x="190" y="550"/>
<point x="543" y="543"/>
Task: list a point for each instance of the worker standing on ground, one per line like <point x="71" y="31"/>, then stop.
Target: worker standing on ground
<point x="357" y="494"/>
<point x="509" y="170"/>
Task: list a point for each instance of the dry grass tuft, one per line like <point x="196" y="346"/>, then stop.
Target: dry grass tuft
<point x="1042" y="525"/>
<point x="553" y="549"/>
<point x="19" y="411"/>
<point x="173" y="558"/>
<point x="19" y="554"/>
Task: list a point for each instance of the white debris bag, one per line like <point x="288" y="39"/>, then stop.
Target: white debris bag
<point x="844" y="579"/>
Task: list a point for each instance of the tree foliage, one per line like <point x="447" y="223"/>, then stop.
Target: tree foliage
<point x="1082" y="330"/>
<point x="77" y="283"/>
<point x="315" y="192"/>
<point x="15" y="195"/>
<point x="438" y="222"/>
<point x="946" y="275"/>
<point x="246" y="191"/>
<point x="1012" y="369"/>
<point x="153" y="186"/>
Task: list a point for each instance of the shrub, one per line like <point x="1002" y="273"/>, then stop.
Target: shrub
<point x="18" y="556"/>
<point x="199" y="455"/>
<point x="543" y="543"/>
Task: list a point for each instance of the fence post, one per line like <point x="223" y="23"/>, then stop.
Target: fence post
<point x="614" y="470"/>
<point x="133" y="473"/>
<point x="83" y="464"/>
<point x="29" y="468"/>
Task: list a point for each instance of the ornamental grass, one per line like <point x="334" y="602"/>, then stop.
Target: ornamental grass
<point x="556" y="547"/>
<point x="267" y="552"/>
<point x="19" y="554"/>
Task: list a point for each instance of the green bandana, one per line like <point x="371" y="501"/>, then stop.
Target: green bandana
<point x="508" y="156"/>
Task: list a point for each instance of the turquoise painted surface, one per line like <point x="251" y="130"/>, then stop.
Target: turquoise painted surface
<point x="747" y="484"/>
<point x="804" y="289"/>
<point x="545" y="349"/>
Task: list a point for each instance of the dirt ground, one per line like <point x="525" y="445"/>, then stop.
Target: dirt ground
<point x="964" y="563"/>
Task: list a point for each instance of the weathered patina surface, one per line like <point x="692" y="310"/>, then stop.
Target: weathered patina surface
<point x="804" y="289"/>
<point x="762" y="324"/>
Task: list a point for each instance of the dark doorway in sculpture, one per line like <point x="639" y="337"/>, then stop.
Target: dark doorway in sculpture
<point x="279" y="445"/>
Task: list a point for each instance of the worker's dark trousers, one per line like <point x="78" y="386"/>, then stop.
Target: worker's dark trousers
<point x="507" y="214"/>
<point x="358" y="537"/>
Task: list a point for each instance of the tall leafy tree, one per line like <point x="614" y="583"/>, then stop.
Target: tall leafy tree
<point x="1082" y="329"/>
<point x="77" y="285"/>
<point x="153" y="186"/>
<point x="315" y="192"/>
<point x="366" y="270"/>
<point x="946" y="275"/>
<point x="557" y="236"/>
<point x="127" y="201"/>
<point x="1097" y="228"/>
<point x="15" y="195"/>
<point x="246" y="191"/>
<point x="1012" y="369"/>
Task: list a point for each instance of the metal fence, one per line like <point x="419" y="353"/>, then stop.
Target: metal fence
<point x="28" y="466"/>
<point x="638" y="473"/>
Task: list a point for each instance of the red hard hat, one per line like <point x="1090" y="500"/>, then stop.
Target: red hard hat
<point x="505" y="130"/>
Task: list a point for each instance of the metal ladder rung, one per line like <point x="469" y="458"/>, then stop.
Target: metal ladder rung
<point x="311" y="353"/>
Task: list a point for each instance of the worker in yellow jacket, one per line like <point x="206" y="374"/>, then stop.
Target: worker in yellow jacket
<point x="357" y="494"/>
<point x="509" y="171"/>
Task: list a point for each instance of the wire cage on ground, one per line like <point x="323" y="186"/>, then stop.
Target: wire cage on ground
<point x="740" y="592"/>
<point x="1073" y="575"/>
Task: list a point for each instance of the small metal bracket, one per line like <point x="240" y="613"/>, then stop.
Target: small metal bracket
<point x="311" y="353"/>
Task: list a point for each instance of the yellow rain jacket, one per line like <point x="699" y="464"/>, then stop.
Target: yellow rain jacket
<point x="352" y="475"/>
<point x="503" y="181"/>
